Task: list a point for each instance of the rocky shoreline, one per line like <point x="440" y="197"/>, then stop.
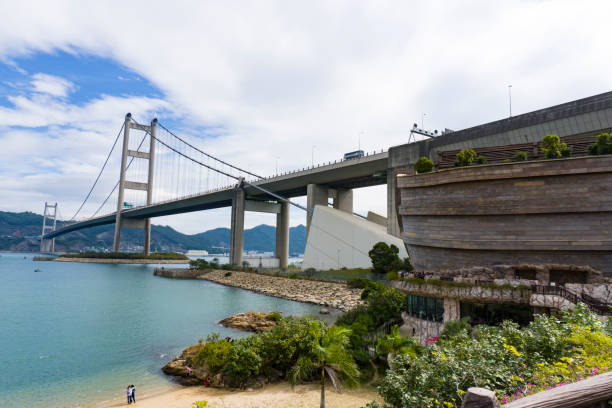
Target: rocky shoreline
<point x="330" y="294"/>
<point x="123" y="261"/>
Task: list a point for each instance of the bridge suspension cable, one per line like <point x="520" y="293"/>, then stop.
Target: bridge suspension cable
<point x="209" y="155"/>
<point x="126" y="167"/>
<point x="237" y="178"/>
<point x="99" y="174"/>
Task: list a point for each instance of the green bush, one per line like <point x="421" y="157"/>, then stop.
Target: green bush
<point x="481" y="159"/>
<point x="214" y="353"/>
<point x="553" y="147"/>
<point x="603" y="144"/>
<point x="520" y="156"/>
<point x="385" y="258"/>
<point x="293" y="276"/>
<point x="423" y="165"/>
<point x="199" y="264"/>
<point x="391" y="276"/>
<point x="359" y="283"/>
<point x="242" y="362"/>
<point x="506" y="359"/>
<point x="275" y="316"/>
<point x="465" y="157"/>
<point x="227" y="274"/>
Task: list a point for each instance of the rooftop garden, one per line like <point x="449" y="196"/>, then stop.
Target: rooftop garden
<point x="551" y="147"/>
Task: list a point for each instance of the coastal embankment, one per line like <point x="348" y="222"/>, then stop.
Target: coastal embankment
<point x="332" y="294"/>
<point x="123" y="261"/>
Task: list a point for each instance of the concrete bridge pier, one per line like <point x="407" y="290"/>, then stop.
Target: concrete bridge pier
<point x="237" y="226"/>
<point x="318" y="194"/>
<point x="240" y="204"/>
<point x="282" y="235"/>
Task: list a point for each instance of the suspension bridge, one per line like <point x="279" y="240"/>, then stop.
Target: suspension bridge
<point x="162" y="173"/>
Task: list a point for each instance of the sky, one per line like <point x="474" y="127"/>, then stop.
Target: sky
<point x="267" y="84"/>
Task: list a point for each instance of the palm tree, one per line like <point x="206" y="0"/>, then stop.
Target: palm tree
<point x="328" y="354"/>
<point x="394" y="344"/>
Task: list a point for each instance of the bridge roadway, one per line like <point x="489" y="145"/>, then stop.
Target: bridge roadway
<point x="365" y="171"/>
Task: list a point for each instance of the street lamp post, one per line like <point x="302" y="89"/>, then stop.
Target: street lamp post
<point x="510" y="99"/>
<point x="312" y="156"/>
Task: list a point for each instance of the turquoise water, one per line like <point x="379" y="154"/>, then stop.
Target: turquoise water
<point x="76" y="333"/>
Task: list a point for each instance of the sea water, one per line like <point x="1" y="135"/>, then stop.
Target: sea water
<point x="78" y="333"/>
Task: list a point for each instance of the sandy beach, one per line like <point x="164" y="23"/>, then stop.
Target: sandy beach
<point x="271" y="396"/>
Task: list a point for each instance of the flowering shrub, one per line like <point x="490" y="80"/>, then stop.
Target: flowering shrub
<point x="507" y="359"/>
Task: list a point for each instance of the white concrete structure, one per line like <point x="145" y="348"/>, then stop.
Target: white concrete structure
<point x="338" y="239"/>
<point x="266" y="262"/>
<point x="196" y="252"/>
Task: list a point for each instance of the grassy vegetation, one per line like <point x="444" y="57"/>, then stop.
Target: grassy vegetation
<point x="128" y="255"/>
<point x="509" y="360"/>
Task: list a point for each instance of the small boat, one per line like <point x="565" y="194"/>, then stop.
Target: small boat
<point x="36" y="270"/>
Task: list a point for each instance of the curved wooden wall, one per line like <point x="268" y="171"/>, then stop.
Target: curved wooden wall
<point x="546" y="211"/>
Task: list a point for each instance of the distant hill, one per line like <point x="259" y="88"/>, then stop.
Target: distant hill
<point x="20" y="232"/>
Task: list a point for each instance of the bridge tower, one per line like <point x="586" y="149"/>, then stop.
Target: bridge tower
<point x="45" y="244"/>
<point x="123" y="222"/>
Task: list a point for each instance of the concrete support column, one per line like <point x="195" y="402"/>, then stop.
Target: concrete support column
<point x="316" y="195"/>
<point x="124" y="154"/>
<point x="393" y="221"/>
<point x="237" y="227"/>
<point x="282" y="235"/>
<point x="452" y="310"/>
<point x="344" y="201"/>
<point x="147" y="228"/>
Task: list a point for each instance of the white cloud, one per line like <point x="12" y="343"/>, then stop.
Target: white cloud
<point x="280" y="77"/>
<point x="51" y="85"/>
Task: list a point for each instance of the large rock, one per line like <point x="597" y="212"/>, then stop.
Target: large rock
<point x="177" y="368"/>
<point x="249" y="321"/>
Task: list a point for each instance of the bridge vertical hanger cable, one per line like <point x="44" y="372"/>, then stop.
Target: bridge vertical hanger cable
<point x="211" y="156"/>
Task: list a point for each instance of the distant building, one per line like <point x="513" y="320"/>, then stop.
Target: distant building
<point x="196" y="252"/>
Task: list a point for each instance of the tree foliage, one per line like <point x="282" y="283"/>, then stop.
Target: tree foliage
<point x="465" y="157"/>
<point x="384" y="257"/>
<point x="553" y="147"/>
<point x="603" y="144"/>
<point x="423" y="165"/>
<point x="328" y="355"/>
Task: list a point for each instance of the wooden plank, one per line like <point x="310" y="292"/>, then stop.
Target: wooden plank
<point x="579" y="394"/>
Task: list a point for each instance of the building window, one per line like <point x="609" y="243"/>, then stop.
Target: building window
<point x="425" y="308"/>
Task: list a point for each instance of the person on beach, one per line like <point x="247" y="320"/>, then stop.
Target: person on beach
<point x="133" y="393"/>
<point x="129" y="395"/>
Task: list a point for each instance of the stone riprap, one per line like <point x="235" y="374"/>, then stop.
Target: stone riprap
<point x="122" y="261"/>
<point x="331" y="294"/>
<point x="183" y="273"/>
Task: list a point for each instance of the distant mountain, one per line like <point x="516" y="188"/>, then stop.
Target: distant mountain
<point x="21" y="232"/>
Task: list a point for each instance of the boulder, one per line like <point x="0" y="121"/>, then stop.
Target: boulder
<point x="324" y="311"/>
<point x="249" y="321"/>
